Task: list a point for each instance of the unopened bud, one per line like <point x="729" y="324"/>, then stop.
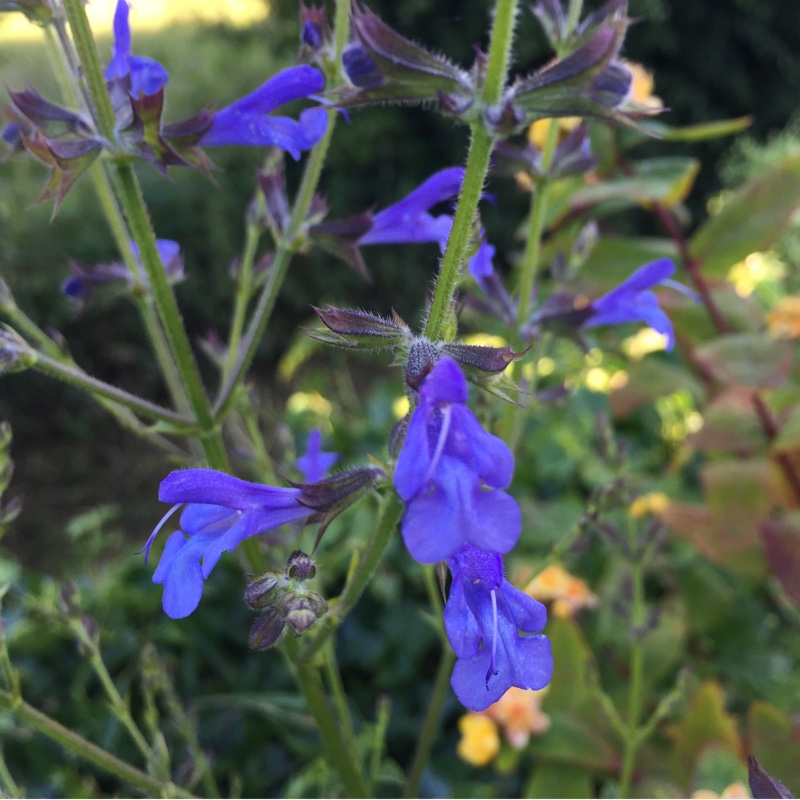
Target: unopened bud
<point x="301" y="610"/>
<point x="69" y="599"/>
<point x="300" y="566"/>
<point x="266" y="631"/>
<point x="263" y="589"/>
<point x="15" y="353"/>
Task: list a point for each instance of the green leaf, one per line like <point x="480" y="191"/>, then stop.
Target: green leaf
<point x="706" y="721"/>
<point x="752" y="219"/>
<point x="718" y="767"/>
<point x="730" y="423"/>
<point x="698" y="133"/>
<point x="559" y="780"/>
<point x="667" y="180"/>
<point x="788" y="437"/>
<point x="753" y="360"/>
<point x="570" y="740"/>
<point x="781" y="539"/>
<point x="775" y="742"/>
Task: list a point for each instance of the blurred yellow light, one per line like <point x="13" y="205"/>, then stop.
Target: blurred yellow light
<point x="643" y="342"/>
<point x="400" y="407"/>
<point x="597" y="379"/>
<point x="755" y="269"/>
<point x="308" y="401"/>
<point x="545" y="366"/>
<point x="480" y="739"/>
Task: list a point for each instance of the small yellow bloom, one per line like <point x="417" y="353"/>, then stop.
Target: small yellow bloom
<point x="537" y="132"/>
<point x="641" y="91"/>
<point x="567" y="593"/>
<point x="519" y="713"/>
<point x="784" y="319"/>
<point x="736" y="791"/>
<point x="480" y="739"/>
<point x="654" y="503"/>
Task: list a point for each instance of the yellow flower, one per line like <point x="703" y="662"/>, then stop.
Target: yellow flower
<point x="784" y="319"/>
<point x="480" y="739"/>
<point x="519" y="713"/>
<point x="654" y="503"/>
<point x="736" y="791"/>
<point x="537" y="133"/>
<point x="641" y="97"/>
<point x="567" y="593"/>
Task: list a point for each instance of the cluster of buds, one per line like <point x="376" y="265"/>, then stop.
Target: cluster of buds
<point x="285" y="600"/>
<point x="591" y="81"/>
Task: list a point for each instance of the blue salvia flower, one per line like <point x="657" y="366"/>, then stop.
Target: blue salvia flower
<point x="409" y="220"/>
<point x="220" y="512"/>
<point x="245" y="122"/>
<point x="634" y="301"/>
<point x="483" y="619"/>
<point x="86" y="280"/>
<point x="315" y="463"/>
<point x="451" y="472"/>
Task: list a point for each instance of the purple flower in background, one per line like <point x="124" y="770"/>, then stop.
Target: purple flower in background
<point x="483" y="617"/>
<point x="450" y="473"/>
<point x="244" y="122"/>
<point x="86" y="280"/>
<point x="221" y="511"/>
<point x="633" y="301"/>
<point x="409" y="221"/>
<point x="316" y="462"/>
<point x="147" y="76"/>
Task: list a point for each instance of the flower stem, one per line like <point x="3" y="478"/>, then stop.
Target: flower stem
<point x="480" y="149"/>
<point x="339" y="748"/>
<point x="430" y="726"/>
<point x="533" y="243"/>
<point x="90" y="67"/>
<point x="632" y="739"/>
<point x="244" y="291"/>
<point x="388" y="521"/>
<point x="76" y="377"/>
<point x="63" y="60"/>
<point x="337" y="689"/>
<point x="75" y="743"/>
<point x="7" y="781"/>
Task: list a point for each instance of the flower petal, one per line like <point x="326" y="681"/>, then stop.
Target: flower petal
<point x="210" y="487"/>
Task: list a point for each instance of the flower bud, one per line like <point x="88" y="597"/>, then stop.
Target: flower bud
<point x="360" y="329"/>
<point x="300" y="566"/>
<point x="266" y="631"/>
<point x="264" y="589"/>
<point x="301" y="610"/>
<point x="15" y="353"/>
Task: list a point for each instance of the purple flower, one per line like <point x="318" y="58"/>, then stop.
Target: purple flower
<point x="483" y="617"/>
<point x="632" y="301"/>
<point x="409" y="221"/>
<point x="450" y="474"/>
<point x="221" y="511"/>
<point x="86" y="280"/>
<point x="316" y="462"/>
<point x="245" y="122"/>
<point x="147" y="76"/>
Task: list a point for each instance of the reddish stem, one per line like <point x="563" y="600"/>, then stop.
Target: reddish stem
<point x="768" y="423"/>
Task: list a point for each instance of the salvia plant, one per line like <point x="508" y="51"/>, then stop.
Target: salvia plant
<point x="494" y="347"/>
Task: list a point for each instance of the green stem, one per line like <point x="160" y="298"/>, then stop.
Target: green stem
<point x="441" y="688"/>
<point x="388" y="521"/>
<point x="250" y="420"/>
<point x="90" y="67"/>
<point x="40" y="722"/>
<point x="275" y="277"/>
<point x="76" y="377"/>
<point x="337" y="689"/>
<point x="139" y="222"/>
<point x="7" y="781"/>
<point x="533" y="244"/>
<point x="118" y="706"/>
<point x="26" y="326"/>
<point x="502" y="37"/>
<point x="244" y="291"/>
<point x="573" y="16"/>
<point x="633" y="739"/>
<point x="339" y="748"/>
<point x="430" y="726"/>
<point x="63" y="58"/>
<point x="480" y="148"/>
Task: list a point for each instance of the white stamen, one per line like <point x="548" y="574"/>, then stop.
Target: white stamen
<point x="437" y="453"/>
<point x="492" y="670"/>
<point x="149" y="542"/>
